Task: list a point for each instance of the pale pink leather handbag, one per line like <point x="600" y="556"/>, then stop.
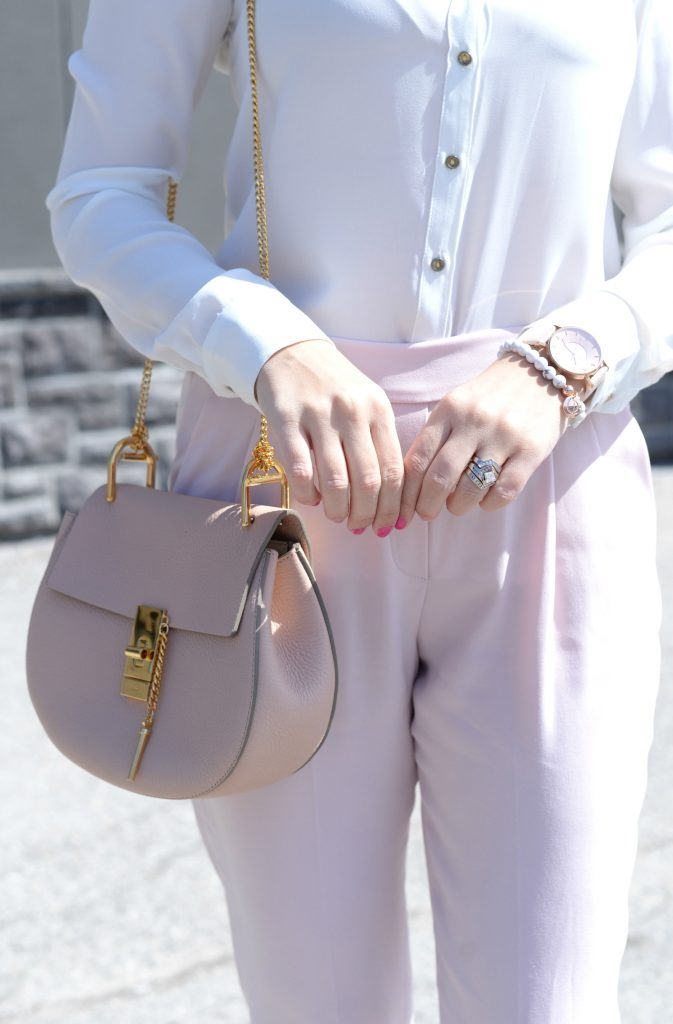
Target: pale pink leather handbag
<point x="179" y="647"/>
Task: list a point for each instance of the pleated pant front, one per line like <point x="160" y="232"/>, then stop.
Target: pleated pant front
<point x="506" y="662"/>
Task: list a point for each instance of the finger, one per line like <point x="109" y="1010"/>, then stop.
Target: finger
<point x="443" y="475"/>
<point x="297" y="460"/>
<point x="516" y="473"/>
<point x="363" y="474"/>
<point x="315" y="476"/>
<point x="417" y="460"/>
<point x="332" y="471"/>
<point x="391" y="469"/>
<point x="467" y="495"/>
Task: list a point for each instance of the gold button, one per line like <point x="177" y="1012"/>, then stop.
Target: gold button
<point x="438" y="263"/>
<point x="452" y="162"/>
<point x="464" y="58"/>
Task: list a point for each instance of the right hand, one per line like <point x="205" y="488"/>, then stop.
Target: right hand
<point x="314" y="398"/>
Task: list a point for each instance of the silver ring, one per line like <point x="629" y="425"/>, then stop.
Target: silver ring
<point x="483" y="472"/>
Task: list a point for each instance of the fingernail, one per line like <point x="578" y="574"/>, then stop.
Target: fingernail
<point x="401" y="523"/>
<point x="384" y="531"/>
<point x="360" y="530"/>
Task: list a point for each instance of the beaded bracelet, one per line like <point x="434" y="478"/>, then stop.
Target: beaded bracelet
<point x="572" y="403"/>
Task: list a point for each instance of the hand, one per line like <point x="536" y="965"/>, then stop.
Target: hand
<point x="509" y="413"/>
<point x="315" y="399"/>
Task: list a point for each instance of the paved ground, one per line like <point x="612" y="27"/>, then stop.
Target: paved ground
<point x="110" y="912"/>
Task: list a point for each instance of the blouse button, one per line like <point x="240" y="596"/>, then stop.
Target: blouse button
<point x="438" y="263"/>
<point x="464" y="58"/>
<point x="452" y="162"/>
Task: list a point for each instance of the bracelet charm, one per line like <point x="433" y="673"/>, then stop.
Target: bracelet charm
<point x="572" y="403"/>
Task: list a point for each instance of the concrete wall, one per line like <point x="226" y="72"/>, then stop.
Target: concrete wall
<point x="36" y="39"/>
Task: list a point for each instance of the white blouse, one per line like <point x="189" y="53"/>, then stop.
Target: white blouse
<point x="433" y="167"/>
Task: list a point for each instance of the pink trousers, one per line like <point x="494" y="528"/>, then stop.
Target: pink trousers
<point x="506" y="662"/>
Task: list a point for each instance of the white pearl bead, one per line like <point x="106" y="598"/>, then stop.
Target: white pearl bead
<point x="539" y="363"/>
<point x="559" y="381"/>
<point x="549" y="372"/>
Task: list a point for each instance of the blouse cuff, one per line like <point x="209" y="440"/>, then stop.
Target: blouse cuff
<point x="242" y="320"/>
<point x="611" y="321"/>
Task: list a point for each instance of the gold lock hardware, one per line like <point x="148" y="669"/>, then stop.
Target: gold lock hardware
<point x="143" y="671"/>
<point x="139" y="655"/>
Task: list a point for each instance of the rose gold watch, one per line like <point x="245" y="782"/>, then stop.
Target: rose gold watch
<point x="577" y="355"/>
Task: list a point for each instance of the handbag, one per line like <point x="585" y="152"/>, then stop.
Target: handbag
<point x="179" y="646"/>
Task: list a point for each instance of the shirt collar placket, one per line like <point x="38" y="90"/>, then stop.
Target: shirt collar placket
<point x="450" y="183"/>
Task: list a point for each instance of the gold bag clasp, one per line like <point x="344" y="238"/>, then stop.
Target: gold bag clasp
<point x="139" y="655"/>
<point x="263" y="468"/>
<point x="132" y="449"/>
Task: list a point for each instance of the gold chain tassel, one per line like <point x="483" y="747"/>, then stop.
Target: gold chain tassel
<point x="145" y="730"/>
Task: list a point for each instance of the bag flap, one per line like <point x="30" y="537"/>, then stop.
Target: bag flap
<point x="187" y="554"/>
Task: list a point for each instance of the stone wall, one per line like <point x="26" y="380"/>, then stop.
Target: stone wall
<point x="68" y="391"/>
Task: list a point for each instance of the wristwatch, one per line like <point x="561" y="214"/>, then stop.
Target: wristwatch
<point x="577" y="355"/>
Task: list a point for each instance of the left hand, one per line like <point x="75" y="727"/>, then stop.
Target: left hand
<point x="509" y="413"/>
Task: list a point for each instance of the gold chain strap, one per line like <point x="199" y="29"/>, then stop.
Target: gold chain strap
<point x="260" y="196"/>
<point x="263" y="461"/>
<point x="263" y="455"/>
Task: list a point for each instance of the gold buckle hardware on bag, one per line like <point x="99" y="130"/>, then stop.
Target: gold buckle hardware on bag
<point x="143" y="670"/>
<point x="274" y="475"/>
<point x="263" y="468"/>
<point x="139" y="655"/>
<point x="139" y="451"/>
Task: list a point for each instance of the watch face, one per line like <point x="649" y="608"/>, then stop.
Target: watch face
<point x="575" y="351"/>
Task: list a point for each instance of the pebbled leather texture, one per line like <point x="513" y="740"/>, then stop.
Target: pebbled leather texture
<point x="250" y="677"/>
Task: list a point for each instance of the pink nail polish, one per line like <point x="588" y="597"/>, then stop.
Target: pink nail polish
<point x="361" y="530"/>
<point x="401" y="523"/>
<point x="384" y="531"/>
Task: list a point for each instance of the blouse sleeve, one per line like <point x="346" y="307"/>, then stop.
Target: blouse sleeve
<point x="139" y="74"/>
<point x="631" y="314"/>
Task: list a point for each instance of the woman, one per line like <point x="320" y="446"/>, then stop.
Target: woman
<point x="441" y="178"/>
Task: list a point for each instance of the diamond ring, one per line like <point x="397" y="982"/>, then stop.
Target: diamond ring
<point x="483" y="472"/>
